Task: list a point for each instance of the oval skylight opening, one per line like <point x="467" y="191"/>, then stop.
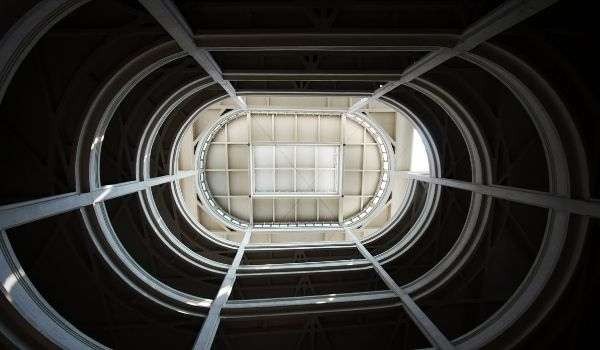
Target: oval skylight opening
<point x="295" y="169"/>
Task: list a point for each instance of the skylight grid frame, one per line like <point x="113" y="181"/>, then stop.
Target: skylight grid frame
<point x="304" y="181"/>
<point x="372" y="204"/>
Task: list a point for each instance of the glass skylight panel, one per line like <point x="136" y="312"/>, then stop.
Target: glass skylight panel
<point x="298" y="169"/>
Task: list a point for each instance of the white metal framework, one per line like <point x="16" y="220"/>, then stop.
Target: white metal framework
<point x="289" y="170"/>
<point x="282" y="169"/>
<point x="36" y="311"/>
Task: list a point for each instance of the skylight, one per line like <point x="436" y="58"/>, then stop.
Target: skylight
<point x="293" y="168"/>
<point x="296" y="170"/>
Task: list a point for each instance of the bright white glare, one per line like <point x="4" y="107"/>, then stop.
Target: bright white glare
<point x="418" y="159"/>
<point x="202" y="303"/>
<point x="10" y="282"/>
<point x="104" y="194"/>
<point x="224" y="290"/>
<point x="97" y="141"/>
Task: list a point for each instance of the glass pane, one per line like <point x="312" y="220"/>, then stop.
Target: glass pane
<point x="263" y="156"/>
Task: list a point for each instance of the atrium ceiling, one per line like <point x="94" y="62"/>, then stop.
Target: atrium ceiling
<point x="298" y="174"/>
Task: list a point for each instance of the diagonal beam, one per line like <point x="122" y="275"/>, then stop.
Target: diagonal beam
<point x="429" y="329"/>
<point x="21" y="213"/>
<point x="167" y="14"/>
<point x="515" y="194"/>
<point x="212" y="320"/>
<point x="503" y="17"/>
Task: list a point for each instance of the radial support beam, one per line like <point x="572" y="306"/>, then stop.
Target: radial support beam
<point x="500" y="19"/>
<point x="212" y="320"/>
<point x="430" y="330"/>
<point x="21" y="213"/>
<point x="167" y="14"/>
<point x="515" y="194"/>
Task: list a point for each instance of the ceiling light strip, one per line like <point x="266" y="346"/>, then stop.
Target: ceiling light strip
<point x="377" y="201"/>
